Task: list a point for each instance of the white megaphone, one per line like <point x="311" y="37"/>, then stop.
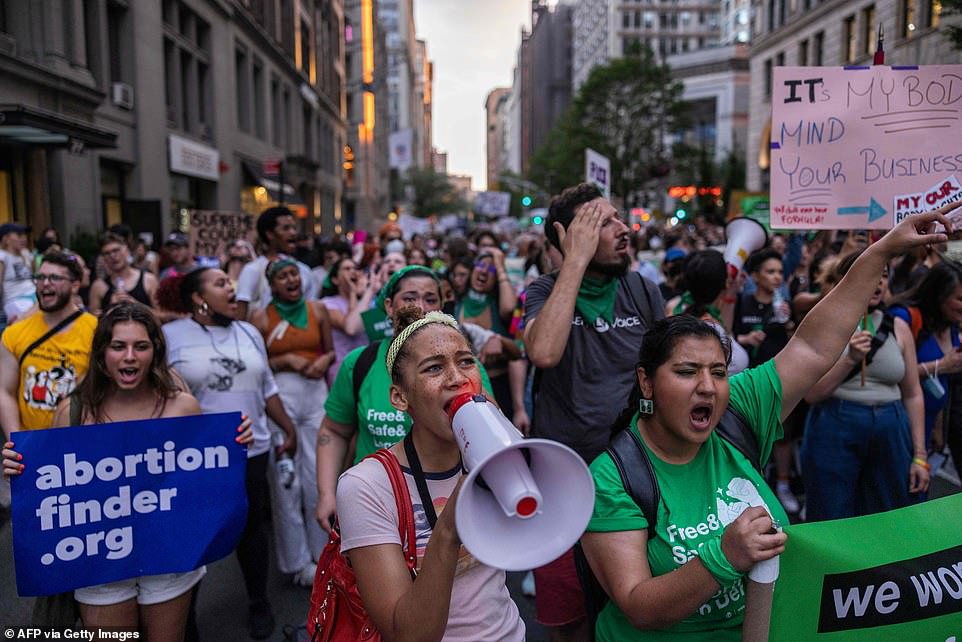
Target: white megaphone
<point x="743" y="235"/>
<point x="525" y="501"/>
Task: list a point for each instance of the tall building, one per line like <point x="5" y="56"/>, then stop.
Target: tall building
<point x="425" y="95"/>
<point x="604" y="29"/>
<point x="834" y="33"/>
<point x="139" y="112"/>
<point x="367" y="177"/>
<point x="550" y="64"/>
<point x="495" y="108"/>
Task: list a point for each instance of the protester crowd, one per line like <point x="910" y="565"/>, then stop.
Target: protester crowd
<point x="837" y="351"/>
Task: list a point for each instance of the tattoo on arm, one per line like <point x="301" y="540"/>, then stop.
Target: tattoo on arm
<point x="323" y="439"/>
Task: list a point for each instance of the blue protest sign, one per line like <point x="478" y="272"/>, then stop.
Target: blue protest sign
<point x="102" y="503"/>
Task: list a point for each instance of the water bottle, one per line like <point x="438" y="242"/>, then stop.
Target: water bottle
<point x="285" y="465"/>
<point x="779" y="308"/>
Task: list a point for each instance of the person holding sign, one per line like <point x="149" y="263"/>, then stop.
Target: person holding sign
<point x="680" y="571"/>
<point x="225" y="364"/>
<point x="300" y="351"/>
<point x="454" y="596"/>
<point x="859" y="436"/>
<point x="129" y="379"/>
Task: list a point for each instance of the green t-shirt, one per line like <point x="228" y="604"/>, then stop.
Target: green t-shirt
<point x="698" y="500"/>
<point x="380" y="424"/>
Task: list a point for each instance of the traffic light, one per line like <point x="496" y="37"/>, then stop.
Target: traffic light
<point x="537" y="219"/>
<point x="526" y="201"/>
<point x="680" y="213"/>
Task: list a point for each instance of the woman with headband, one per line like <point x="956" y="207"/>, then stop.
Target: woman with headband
<point x="454" y="596"/>
<point x="300" y="350"/>
<point x="359" y="403"/>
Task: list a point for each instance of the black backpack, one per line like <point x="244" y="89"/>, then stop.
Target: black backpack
<point x="362" y="366"/>
<point x="634" y="466"/>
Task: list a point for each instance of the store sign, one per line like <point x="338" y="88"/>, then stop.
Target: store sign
<point x="193" y="159"/>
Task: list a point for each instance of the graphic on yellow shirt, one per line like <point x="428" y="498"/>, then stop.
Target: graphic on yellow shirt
<point x="45" y="389"/>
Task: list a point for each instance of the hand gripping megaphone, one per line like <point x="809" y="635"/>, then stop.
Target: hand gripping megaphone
<point x="525" y="501"/>
<point x="744" y="235"/>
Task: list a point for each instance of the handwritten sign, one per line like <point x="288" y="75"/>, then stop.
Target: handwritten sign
<point x="211" y="232"/>
<point x="103" y="503"/>
<point x="864" y="147"/>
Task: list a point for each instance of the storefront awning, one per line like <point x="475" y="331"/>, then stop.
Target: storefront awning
<point x="22" y="125"/>
<point x="255" y="176"/>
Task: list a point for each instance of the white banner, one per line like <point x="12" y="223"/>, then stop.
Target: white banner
<point x="492" y="203"/>
<point x="598" y="171"/>
<point x="401" y="152"/>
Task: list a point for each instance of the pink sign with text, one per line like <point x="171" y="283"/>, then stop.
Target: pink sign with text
<point x="864" y="147"/>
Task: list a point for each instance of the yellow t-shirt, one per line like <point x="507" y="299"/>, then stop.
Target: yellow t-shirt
<point x="53" y="369"/>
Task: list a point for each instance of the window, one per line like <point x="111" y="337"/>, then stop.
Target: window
<point x="780" y="60"/>
<point x="868" y="28"/>
<point x="170" y="80"/>
<point x="116" y="15"/>
<point x="243" y="97"/>
<point x="187" y="81"/>
<point x="803" y="53"/>
<point x="260" y="122"/>
<point x="818" y="45"/>
<point x="771" y="15"/>
<point x="305" y="47"/>
<point x="637" y="20"/>
<point x="849" y="40"/>
<point x="907" y="15"/>
<point x="277" y="114"/>
<point x="935" y="13"/>
<point x="768" y="78"/>
<point x="625" y="20"/>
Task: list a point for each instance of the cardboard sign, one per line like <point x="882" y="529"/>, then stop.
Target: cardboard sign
<point x="864" y="147"/>
<point x="103" y="503"/>
<point x="890" y="576"/>
<point x="211" y="232"/>
<point x="598" y="171"/>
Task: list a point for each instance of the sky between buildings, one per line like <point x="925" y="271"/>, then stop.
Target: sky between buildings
<point x="474" y="45"/>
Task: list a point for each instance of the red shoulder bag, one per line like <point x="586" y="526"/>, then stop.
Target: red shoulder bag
<point x="336" y="612"/>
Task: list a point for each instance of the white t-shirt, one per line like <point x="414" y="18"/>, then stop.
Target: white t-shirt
<point x="17" y="277"/>
<point x="226" y="369"/>
<point x="481" y="608"/>
<point x="253" y="288"/>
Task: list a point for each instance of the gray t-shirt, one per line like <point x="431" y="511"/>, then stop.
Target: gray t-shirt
<point x="580" y="398"/>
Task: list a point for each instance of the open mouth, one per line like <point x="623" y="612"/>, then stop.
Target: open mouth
<point x="700" y="416"/>
<point x="128" y="375"/>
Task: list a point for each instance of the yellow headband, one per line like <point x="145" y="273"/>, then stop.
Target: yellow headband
<point x="398" y="342"/>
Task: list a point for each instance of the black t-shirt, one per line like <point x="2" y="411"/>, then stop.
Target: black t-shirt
<point x="750" y="315"/>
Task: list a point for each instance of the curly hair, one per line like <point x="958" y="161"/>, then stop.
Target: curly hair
<point x="174" y="292"/>
<point x="97" y="386"/>
<point x="562" y="208"/>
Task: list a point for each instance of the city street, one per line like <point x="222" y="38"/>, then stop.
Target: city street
<point x="222" y="607"/>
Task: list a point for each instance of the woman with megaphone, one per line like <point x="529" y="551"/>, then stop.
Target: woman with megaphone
<point x="449" y="595"/>
<point x="680" y="569"/>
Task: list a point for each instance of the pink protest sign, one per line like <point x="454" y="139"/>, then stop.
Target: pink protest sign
<point x="864" y="147"/>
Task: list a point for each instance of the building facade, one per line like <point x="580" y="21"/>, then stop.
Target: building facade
<point x="367" y="177"/>
<point x="833" y="33"/>
<point x="495" y="109"/>
<point x="148" y="110"/>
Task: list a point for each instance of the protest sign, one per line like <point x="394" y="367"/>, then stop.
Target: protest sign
<point x="211" y="232"/>
<point x="863" y="147"/>
<point x="889" y="576"/>
<point x="102" y="503"/>
<point x="598" y="171"/>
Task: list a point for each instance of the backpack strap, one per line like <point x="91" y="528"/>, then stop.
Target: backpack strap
<point x="881" y="336"/>
<point x="75" y="410"/>
<point x="634" y="466"/>
<point x="362" y="366"/>
<point x="638" y="287"/>
<point x="733" y="428"/>
<point x="52" y="331"/>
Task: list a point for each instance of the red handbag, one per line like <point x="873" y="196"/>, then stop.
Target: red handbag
<point x="336" y="612"/>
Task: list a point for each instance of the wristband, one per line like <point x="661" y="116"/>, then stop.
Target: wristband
<point x="918" y="461"/>
<point x="713" y="557"/>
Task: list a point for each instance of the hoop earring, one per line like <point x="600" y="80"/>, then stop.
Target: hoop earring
<point x="646" y="406"/>
<point x="204" y="309"/>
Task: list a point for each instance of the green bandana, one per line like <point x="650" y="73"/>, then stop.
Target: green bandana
<point x="597" y="299"/>
<point x="474" y="304"/>
<point x="294" y="312"/>
<point x="390" y="288"/>
<point x="687" y="300"/>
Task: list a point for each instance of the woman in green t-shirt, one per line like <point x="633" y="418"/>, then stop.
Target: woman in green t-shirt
<point x="714" y="520"/>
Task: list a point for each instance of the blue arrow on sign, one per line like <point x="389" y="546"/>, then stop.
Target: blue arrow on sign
<point x="874" y="210"/>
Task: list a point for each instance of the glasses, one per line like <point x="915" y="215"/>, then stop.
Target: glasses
<point x="56" y="279"/>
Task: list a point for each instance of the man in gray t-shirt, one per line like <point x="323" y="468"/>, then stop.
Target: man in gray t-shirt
<point x="583" y="331"/>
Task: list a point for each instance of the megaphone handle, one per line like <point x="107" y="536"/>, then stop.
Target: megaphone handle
<point x="479" y="480"/>
<point x="415" y="463"/>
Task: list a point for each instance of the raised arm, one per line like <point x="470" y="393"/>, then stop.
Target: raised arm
<point x="819" y="340"/>
<point x="545" y="342"/>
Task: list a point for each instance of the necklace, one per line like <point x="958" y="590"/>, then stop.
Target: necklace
<point x="232" y="366"/>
